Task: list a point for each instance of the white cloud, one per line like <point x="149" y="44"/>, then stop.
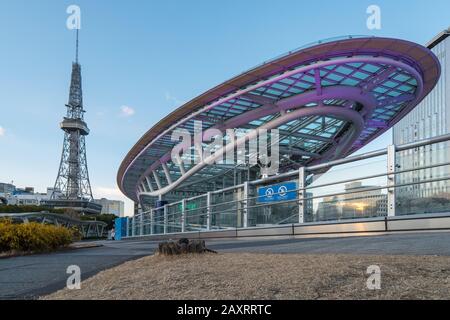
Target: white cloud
<point x="173" y="99"/>
<point x="106" y="192"/>
<point x="2" y="131"/>
<point x="127" y="111"/>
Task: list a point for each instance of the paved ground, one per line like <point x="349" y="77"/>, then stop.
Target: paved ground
<point x="31" y="276"/>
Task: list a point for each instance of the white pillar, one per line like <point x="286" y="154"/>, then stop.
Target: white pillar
<point x="166" y="209"/>
<point x="183" y="215"/>
<point x="152" y="222"/>
<point x="245" y="204"/>
<point x="301" y="195"/>
<point x="391" y="180"/>
<point x="208" y="211"/>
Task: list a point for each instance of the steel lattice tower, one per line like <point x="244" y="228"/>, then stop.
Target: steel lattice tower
<point x="72" y="187"/>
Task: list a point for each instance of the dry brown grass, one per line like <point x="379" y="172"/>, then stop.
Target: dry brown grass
<point x="268" y="276"/>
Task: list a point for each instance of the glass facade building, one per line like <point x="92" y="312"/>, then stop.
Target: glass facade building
<point x="428" y="119"/>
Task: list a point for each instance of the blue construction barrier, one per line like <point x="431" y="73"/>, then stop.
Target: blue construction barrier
<point x="120" y="228"/>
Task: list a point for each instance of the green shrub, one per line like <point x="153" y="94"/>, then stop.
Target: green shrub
<point x="33" y="237"/>
<point x="28" y="208"/>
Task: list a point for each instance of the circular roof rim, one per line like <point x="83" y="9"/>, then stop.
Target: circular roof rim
<point x="161" y="125"/>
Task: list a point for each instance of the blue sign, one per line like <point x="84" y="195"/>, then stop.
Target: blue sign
<point x="279" y="192"/>
<point x="120" y="228"/>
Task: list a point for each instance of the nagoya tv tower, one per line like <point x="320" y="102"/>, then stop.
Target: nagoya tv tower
<point x="72" y="187"/>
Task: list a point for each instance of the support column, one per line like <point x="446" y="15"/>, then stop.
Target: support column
<point x="167" y="173"/>
<point x="301" y="195"/>
<point x="166" y="209"/>
<point x="127" y="227"/>
<point x="149" y="183"/>
<point x="391" y="180"/>
<point x="245" y="205"/>
<point x="152" y="221"/>
<point x="208" y="211"/>
<point x="158" y="182"/>
<point x="133" y="226"/>
<point x="141" y="227"/>
<point x="183" y="215"/>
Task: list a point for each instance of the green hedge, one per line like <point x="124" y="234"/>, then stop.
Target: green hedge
<point x="34" y="237"/>
<point x="19" y="209"/>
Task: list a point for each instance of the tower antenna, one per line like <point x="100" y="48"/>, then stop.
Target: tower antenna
<point x="76" y="52"/>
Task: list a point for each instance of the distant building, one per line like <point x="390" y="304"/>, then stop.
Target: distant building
<point x="27" y="197"/>
<point x="358" y="202"/>
<point x="23" y="196"/>
<point x="7" y="188"/>
<point x="428" y="119"/>
<point x="115" y="207"/>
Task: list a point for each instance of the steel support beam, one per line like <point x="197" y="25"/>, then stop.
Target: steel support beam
<point x="149" y="183"/>
<point x="158" y="182"/>
<point x="167" y="173"/>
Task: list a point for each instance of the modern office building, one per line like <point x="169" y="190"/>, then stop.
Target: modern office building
<point x="115" y="207"/>
<point x="319" y="103"/>
<point x="430" y="118"/>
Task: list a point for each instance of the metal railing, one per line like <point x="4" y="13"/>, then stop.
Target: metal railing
<point x="416" y="186"/>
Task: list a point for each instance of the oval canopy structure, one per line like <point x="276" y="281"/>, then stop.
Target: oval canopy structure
<point x="326" y="100"/>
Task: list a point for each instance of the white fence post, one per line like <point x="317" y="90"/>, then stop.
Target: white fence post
<point x="245" y="205"/>
<point x="183" y="215"/>
<point x="208" y="211"/>
<point x="152" y="222"/>
<point x="391" y="180"/>
<point x="166" y="209"/>
<point x="301" y="195"/>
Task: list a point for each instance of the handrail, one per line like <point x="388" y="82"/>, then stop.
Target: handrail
<point x="243" y="205"/>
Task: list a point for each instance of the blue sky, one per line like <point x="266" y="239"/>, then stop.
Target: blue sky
<point x="147" y="57"/>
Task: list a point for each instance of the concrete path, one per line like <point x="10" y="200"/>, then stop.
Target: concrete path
<point x="30" y="276"/>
